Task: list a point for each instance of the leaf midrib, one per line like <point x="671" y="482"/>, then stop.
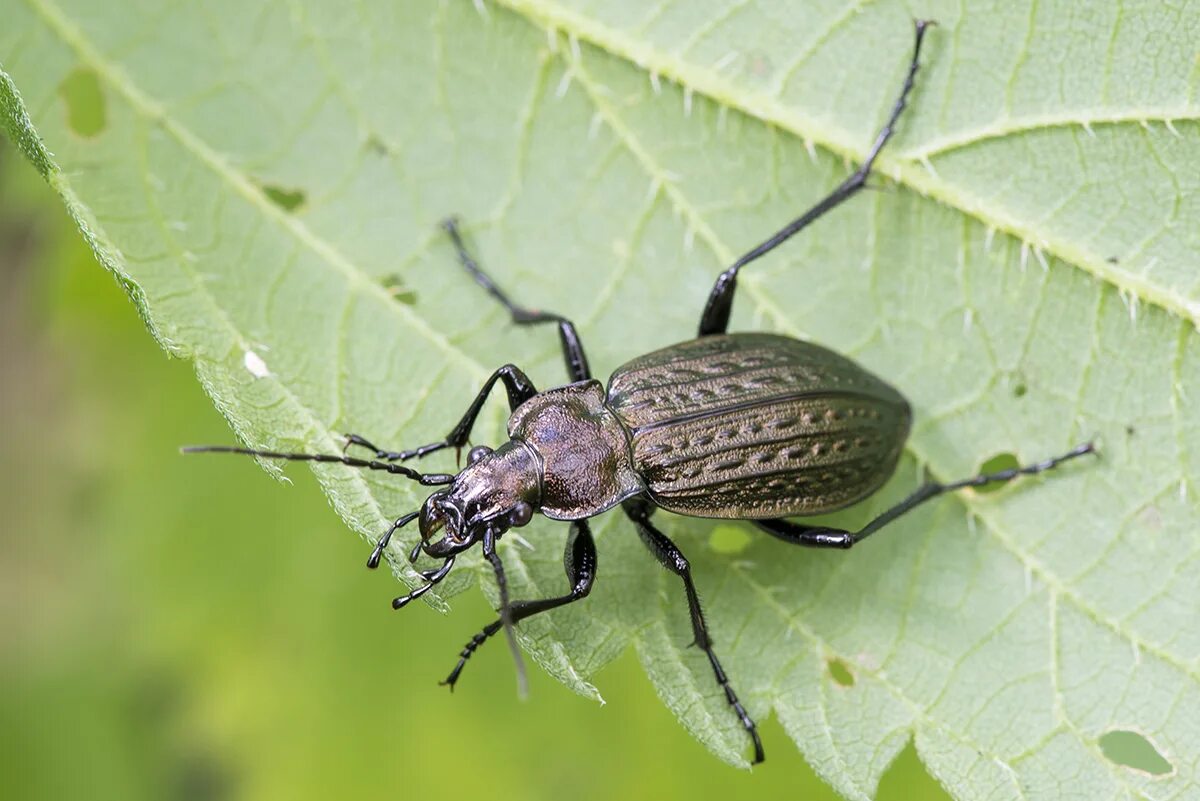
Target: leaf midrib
<point x="917" y="175"/>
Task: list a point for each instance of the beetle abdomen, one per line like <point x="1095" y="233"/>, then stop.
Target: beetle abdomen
<point x="757" y="425"/>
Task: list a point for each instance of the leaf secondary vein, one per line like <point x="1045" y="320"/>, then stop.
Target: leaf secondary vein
<point x="918" y="176"/>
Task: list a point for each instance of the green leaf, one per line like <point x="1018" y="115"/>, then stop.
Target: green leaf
<point x="266" y="182"/>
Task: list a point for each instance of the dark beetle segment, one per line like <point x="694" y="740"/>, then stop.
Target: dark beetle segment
<point x="757" y="425"/>
<point x="584" y="450"/>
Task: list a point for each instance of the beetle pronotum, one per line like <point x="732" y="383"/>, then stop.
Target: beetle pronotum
<point x="749" y="426"/>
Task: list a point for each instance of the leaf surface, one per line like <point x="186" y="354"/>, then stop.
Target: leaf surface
<point x="266" y="180"/>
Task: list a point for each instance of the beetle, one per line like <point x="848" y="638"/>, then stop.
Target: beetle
<point x="748" y="426"/>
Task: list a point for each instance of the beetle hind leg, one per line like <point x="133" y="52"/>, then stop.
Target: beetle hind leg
<point x="577" y="364"/>
<point x="669" y="555"/>
<point x="825" y="537"/>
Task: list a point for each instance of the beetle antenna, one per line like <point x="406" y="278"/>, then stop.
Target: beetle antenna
<point x="426" y="479"/>
<point x="489" y="552"/>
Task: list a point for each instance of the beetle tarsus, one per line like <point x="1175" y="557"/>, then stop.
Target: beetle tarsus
<point x="391" y="456"/>
<point x="824" y="537"/>
<point x="573" y="355"/>
<point x="715" y="317"/>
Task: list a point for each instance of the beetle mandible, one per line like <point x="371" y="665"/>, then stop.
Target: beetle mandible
<point x="749" y="426"/>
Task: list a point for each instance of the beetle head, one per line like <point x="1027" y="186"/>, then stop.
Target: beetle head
<point x="497" y="489"/>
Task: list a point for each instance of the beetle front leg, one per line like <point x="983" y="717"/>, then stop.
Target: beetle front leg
<point x="669" y="555"/>
<point x="715" y="317"/>
<point x="825" y="537"/>
<point x="579" y="560"/>
<point x="519" y="387"/>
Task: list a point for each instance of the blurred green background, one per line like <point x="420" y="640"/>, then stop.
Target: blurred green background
<point x="176" y="628"/>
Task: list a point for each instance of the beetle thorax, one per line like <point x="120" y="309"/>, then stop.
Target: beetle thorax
<point x="583" y="449"/>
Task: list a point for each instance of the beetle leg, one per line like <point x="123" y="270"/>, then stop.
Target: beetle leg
<point x="519" y="388"/>
<point x="824" y="537"/>
<point x="672" y="559"/>
<point x="579" y="559"/>
<point x="577" y="364"/>
<point x="389" y="456"/>
<point x="715" y="318"/>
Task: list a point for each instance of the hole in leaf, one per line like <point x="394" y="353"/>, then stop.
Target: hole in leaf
<point x="998" y="463"/>
<point x="1132" y="750"/>
<point x="395" y="287"/>
<point x="729" y="539"/>
<point x="840" y="672"/>
<point x="286" y="199"/>
<point x="86" y="114"/>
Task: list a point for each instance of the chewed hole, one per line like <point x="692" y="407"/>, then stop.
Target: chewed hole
<point x="729" y="539"/>
<point x="1132" y="750"/>
<point x="997" y="464"/>
<point x="286" y="199"/>
<point x="86" y="113"/>
<point x="395" y="287"/>
<point x="840" y="672"/>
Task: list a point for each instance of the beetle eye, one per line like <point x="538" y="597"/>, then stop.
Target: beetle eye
<point x="520" y="515"/>
<point x="477" y="453"/>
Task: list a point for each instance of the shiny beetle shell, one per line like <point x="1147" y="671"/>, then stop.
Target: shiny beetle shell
<point x="757" y="426"/>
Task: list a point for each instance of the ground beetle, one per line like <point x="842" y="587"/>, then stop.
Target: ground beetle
<point x="752" y="426"/>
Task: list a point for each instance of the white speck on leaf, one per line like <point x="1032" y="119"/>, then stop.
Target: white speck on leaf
<point x="725" y="60"/>
<point x="255" y="364"/>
